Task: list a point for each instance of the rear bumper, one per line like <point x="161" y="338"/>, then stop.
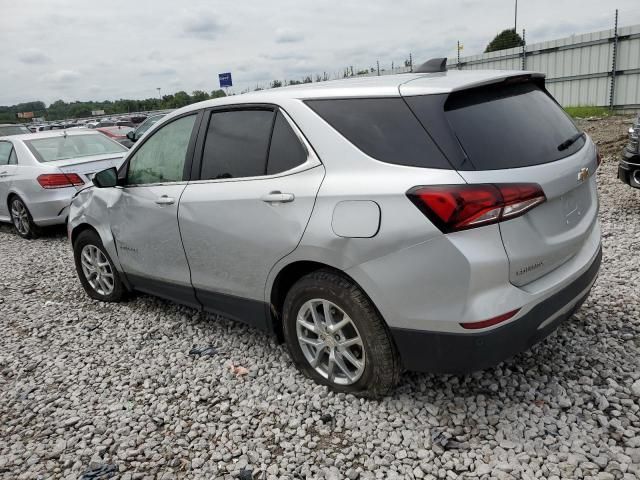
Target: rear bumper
<point x="629" y="169"/>
<point x="51" y="208"/>
<point x="443" y="352"/>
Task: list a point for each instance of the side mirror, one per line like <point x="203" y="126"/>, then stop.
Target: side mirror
<point x="106" y="178"/>
<point x="131" y="135"/>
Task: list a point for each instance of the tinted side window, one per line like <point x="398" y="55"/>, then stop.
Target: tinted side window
<point x="383" y="128"/>
<point x="5" y="152"/>
<point x="286" y="151"/>
<point x="161" y="158"/>
<point x="237" y="143"/>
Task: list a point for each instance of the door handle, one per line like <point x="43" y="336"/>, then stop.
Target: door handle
<point x="278" y="197"/>
<point x="4" y="174"/>
<point x="165" y="200"/>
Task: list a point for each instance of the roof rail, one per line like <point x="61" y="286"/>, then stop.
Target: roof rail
<point x="432" y="66"/>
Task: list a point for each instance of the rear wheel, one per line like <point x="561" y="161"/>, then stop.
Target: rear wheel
<point x="21" y="218"/>
<point x="96" y="271"/>
<point x="337" y="338"/>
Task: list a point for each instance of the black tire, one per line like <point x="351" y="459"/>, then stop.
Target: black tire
<point x="91" y="238"/>
<point x="382" y="364"/>
<point x="23" y="223"/>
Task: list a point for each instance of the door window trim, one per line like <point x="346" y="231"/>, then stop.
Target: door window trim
<point x="311" y="161"/>
<point x="12" y="149"/>
<point x="195" y="132"/>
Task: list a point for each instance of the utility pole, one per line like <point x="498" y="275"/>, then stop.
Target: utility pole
<point x="524" y="50"/>
<point x="515" y="20"/>
<point x="410" y="62"/>
<point x="378" y="65"/>
<point x="160" y="96"/>
<point x="612" y="93"/>
<point x="458" y="49"/>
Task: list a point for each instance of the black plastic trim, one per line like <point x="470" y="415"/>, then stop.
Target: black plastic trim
<point x="457" y="353"/>
<point x="251" y="312"/>
<point x="245" y="310"/>
<point x="182" y="294"/>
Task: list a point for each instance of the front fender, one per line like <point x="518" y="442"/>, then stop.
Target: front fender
<point x="91" y="207"/>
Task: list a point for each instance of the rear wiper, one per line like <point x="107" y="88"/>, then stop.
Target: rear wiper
<point x="567" y="143"/>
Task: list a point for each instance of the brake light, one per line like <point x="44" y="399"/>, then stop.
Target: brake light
<point x="59" y="180"/>
<point x="490" y="322"/>
<point x="460" y="207"/>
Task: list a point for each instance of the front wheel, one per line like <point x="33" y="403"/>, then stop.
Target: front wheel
<point x="96" y="271"/>
<point x="336" y="336"/>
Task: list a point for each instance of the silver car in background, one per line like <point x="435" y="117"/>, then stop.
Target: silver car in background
<point x="435" y="222"/>
<point x="40" y="173"/>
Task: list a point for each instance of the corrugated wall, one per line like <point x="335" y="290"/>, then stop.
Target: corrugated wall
<point x="578" y="68"/>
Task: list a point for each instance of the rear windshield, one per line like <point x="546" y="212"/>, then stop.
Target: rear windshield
<point x="7" y="130"/>
<point x="383" y="128"/>
<point x="511" y="126"/>
<point x="72" y="146"/>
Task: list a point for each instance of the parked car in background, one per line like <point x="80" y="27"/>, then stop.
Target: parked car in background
<point x="7" y="129"/>
<point x="117" y="133"/>
<point x="374" y="224"/>
<point x="40" y="172"/>
<point x="135" y="135"/>
<point x="629" y="166"/>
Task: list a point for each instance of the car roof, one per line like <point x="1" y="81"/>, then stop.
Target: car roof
<point x="52" y="133"/>
<point x="373" y="86"/>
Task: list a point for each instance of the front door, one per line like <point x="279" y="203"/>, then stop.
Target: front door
<point x="248" y="209"/>
<point x="144" y="219"/>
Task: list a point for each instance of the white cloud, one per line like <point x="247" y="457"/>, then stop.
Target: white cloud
<point x="33" y="56"/>
<point x="284" y="35"/>
<point x="123" y="49"/>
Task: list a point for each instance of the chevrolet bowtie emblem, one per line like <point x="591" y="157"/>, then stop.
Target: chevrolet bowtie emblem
<point x="583" y="174"/>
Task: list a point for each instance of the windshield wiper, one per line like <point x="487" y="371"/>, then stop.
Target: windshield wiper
<point x="567" y="143"/>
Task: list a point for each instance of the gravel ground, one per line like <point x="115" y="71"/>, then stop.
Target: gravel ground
<point x="85" y="384"/>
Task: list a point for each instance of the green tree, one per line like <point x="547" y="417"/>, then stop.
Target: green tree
<point x="276" y="84"/>
<point x="218" y="93"/>
<point x="199" y="96"/>
<point x="508" y="38"/>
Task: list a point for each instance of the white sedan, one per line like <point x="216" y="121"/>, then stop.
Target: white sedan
<point x="41" y="172"/>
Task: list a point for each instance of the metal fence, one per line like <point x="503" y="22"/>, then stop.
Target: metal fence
<point x="595" y="69"/>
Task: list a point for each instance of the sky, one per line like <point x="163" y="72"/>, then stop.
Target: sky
<point x="99" y="50"/>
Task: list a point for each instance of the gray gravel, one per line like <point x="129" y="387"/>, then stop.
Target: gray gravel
<point x="85" y="384"/>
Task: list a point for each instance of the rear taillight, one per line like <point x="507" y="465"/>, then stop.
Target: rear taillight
<point x="460" y="207"/>
<point x="59" y="180"/>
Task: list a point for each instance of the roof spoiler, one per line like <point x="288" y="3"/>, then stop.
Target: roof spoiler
<point x="432" y="66"/>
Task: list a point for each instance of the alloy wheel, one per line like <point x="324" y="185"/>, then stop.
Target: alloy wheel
<point x="20" y="216"/>
<point x="330" y="341"/>
<point x="97" y="270"/>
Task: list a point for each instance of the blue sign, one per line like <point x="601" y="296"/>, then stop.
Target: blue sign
<point x="225" y="79"/>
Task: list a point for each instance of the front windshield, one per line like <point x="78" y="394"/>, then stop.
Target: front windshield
<point x="63" y="147"/>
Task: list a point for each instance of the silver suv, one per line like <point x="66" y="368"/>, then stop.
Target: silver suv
<point x="435" y="222"/>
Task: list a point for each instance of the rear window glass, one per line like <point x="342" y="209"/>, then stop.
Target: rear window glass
<point x="286" y="151"/>
<point x="7" y="130"/>
<point x="383" y="128"/>
<point x="72" y="146"/>
<point x="510" y="126"/>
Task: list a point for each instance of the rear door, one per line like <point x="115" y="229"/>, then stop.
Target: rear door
<point x="514" y="132"/>
<point x="248" y="206"/>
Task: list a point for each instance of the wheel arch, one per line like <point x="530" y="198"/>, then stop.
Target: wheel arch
<point x="288" y="276"/>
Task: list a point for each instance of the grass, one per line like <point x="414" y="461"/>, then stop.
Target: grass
<point x="584" y="112"/>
